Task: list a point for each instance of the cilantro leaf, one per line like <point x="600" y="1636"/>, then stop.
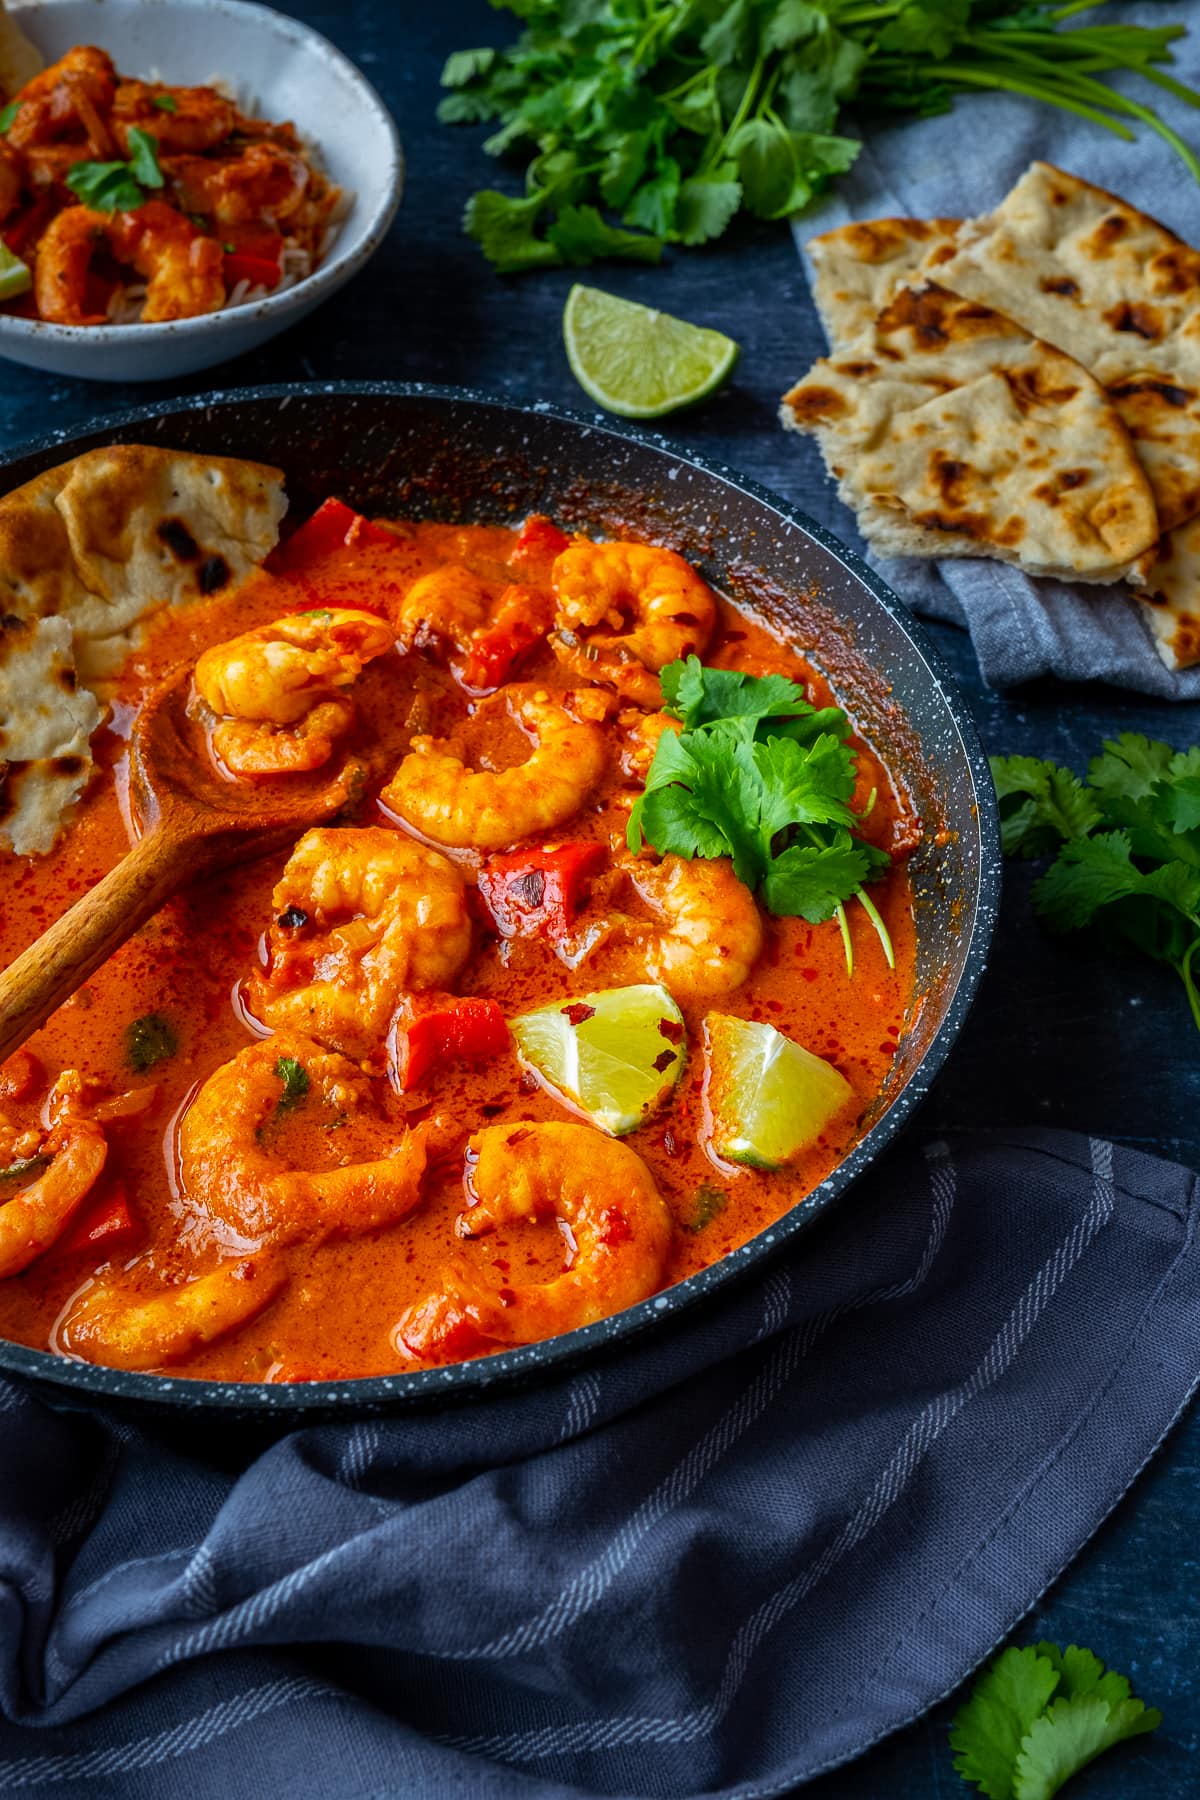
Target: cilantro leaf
<point x="8" y="114"/>
<point x="580" y="234"/>
<point x="504" y="228"/>
<point x="165" y="103"/>
<point x="294" y="1077"/>
<point x="1038" y="1715"/>
<point x="987" y="1733"/>
<point x="810" y="883"/>
<point x="462" y="66"/>
<point x="1071" y="1734"/>
<point x="149" y="1040"/>
<point x="707" y="203"/>
<point x="143" y="158"/>
<point x="106" y="187"/>
<point x="1092" y="873"/>
<point x="699" y="696"/>
<point x="1052" y="805"/>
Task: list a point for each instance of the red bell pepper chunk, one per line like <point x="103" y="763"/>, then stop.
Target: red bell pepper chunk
<point x="469" y="1030"/>
<point x="522" y="620"/>
<point x="537" y="893"/>
<point x="539" y="540"/>
<point x="334" y="526"/>
<point x="103" y="1225"/>
<point x="259" y="271"/>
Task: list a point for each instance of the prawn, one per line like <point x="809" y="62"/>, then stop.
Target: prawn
<point x="70" y="98"/>
<point x="264" y="182"/>
<point x="623" y="611"/>
<point x="491" y="809"/>
<point x="183" y="268"/>
<point x="278" y="688"/>
<point x="70" y="1158"/>
<point x="103" y="1325"/>
<point x="615" y="1223"/>
<point x="449" y="602"/>
<point x="711" y="931"/>
<point x="180" y="119"/>
<point x="236" y="1171"/>
<point x="364" y="916"/>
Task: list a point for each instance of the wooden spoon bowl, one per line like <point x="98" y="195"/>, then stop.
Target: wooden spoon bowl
<point x="191" y="822"/>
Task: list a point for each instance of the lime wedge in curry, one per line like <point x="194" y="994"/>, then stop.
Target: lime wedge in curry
<point x="637" y="361"/>
<point x="15" y="275"/>
<point x="613" y="1055"/>
<point x="768" y="1096"/>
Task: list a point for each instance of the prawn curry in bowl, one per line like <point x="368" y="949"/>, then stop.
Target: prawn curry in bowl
<point x="605" y="965"/>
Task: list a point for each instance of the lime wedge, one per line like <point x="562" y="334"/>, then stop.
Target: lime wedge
<point x="15" y="277"/>
<point x="638" y="362"/>
<point x="613" y="1055"/>
<point x="769" y="1097"/>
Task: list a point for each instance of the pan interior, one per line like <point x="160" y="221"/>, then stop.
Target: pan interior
<point x="448" y="454"/>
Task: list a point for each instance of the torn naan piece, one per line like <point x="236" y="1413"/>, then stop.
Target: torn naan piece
<point x="1085" y="271"/>
<point x="859" y="267"/>
<point x="953" y="432"/>
<point x="112" y="536"/>
<point x="46" y="723"/>
<point x="1171" y="597"/>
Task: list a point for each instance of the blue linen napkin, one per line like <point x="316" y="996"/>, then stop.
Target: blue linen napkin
<point x="720" y="1563"/>
<point x="955" y="166"/>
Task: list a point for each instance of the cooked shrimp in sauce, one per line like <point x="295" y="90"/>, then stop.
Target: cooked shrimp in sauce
<point x="138" y="202"/>
<point x="287" y="1132"/>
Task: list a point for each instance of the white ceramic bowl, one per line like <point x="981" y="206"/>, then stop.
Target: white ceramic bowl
<point x="285" y="71"/>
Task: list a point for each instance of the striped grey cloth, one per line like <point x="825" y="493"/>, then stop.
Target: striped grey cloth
<point x="955" y="166"/>
<point x="717" y="1564"/>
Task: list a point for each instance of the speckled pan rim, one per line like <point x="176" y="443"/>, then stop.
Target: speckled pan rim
<point x="463" y="1382"/>
<point x="346" y="257"/>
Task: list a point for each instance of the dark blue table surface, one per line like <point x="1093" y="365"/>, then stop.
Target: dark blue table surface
<point x="1061" y="1035"/>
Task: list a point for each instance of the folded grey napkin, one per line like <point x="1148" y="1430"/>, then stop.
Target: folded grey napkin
<point x="963" y="163"/>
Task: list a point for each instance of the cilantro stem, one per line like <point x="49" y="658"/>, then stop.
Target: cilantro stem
<point x="1171" y="86"/>
<point x="847" y="941"/>
<point x="745" y="105"/>
<point x="1030" y="90"/>
<point x="881" y="930"/>
<point x="1185" y="971"/>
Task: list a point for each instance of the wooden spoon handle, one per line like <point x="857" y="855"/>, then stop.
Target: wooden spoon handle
<point x="61" y="960"/>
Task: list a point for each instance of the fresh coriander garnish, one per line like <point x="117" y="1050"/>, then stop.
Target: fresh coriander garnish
<point x="149" y="1040"/>
<point x="759" y="775"/>
<point x="1037" y="1716"/>
<point x="143" y="158"/>
<point x="165" y="103"/>
<point x="119" y="186"/>
<point x="294" y="1077"/>
<point x="1127" y="843"/>
<point x="708" y="1203"/>
<point x="8" y="114"/>
<point x="652" y="122"/>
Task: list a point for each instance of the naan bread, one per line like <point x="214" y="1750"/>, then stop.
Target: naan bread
<point x="952" y="432"/>
<point x="1085" y="271"/>
<point x="1171" y="597"/>
<point x="108" y="538"/>
<point x="46" y="721"/>
<point x="859" y="267"/>
<point x="20" y="60"/>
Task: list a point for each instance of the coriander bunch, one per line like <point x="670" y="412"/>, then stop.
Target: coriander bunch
<point x="760" y="776"/>
<point x="1126" y="846"/>
<point x="652" y="122"/>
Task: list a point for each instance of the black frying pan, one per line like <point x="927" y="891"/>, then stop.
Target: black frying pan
<point x="451" y="453"/>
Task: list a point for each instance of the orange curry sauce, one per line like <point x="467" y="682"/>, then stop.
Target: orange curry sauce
<point x="335" y="1316"/>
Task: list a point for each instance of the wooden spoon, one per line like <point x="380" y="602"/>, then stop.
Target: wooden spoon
<point x="193" y="822"/>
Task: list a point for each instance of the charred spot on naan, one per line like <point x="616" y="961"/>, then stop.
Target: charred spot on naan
<point x="972" y="437"/>
<point x="860" y="267"/>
